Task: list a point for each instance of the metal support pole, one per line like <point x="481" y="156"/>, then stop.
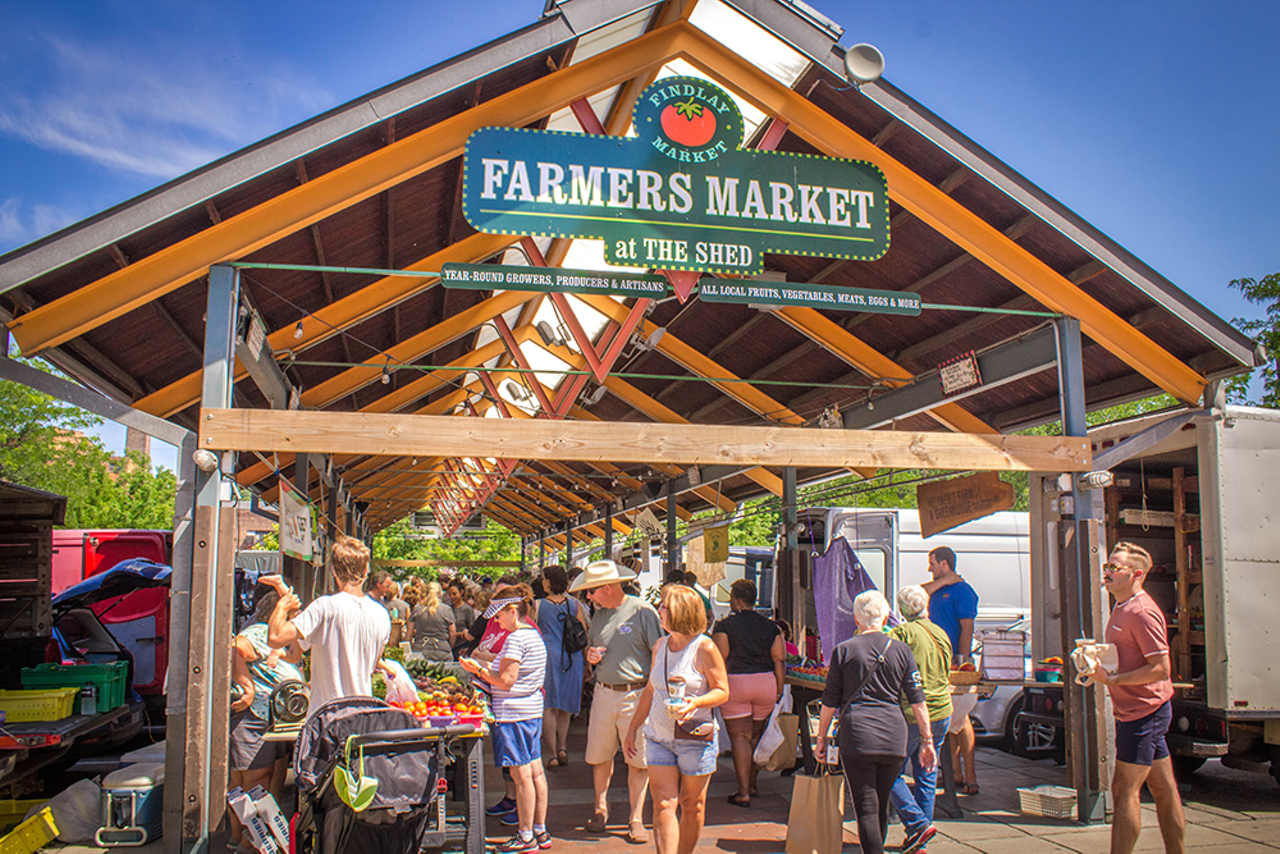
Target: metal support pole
<point x="568" y="543"/>
<point x="294" y="570"/>
<point x="673" y="542"/>
<point x="542" y="549"/>
<point x="791" y="561"/>
<point x="608" y="531"/>
<point x="1080" y="609"/>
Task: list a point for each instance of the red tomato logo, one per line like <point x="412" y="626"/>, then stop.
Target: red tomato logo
<point x="688" y="123"/>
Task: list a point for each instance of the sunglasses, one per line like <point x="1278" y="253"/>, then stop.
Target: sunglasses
<point x="1115" y="567"/>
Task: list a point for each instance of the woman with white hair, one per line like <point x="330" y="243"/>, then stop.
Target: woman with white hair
<point x="867" y="675"/>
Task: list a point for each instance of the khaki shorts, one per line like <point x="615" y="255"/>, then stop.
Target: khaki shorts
<point x="611" y="713"/>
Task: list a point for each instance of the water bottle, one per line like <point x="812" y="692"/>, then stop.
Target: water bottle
<point x="89" y="700"/>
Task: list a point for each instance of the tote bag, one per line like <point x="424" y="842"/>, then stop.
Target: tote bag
<point x="816" y="825"/>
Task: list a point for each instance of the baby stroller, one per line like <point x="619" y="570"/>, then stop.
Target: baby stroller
<point x="363" y="737"/>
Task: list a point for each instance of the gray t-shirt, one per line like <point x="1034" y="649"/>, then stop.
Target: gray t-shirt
<point x="629" y="632"/>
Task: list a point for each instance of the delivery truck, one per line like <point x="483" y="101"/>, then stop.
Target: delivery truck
<point x="1199" y="490"/>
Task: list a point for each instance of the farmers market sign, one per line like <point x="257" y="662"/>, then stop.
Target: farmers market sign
<point x="681" y="195"/>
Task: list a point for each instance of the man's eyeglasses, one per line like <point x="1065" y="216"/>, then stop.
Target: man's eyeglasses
<point x="1115" y="567"/>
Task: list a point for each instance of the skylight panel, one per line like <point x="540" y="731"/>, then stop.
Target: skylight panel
<point x="747" y="38"/>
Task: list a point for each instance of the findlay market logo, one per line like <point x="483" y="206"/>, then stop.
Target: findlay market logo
<point x="689" y="120"/>
<point x="681" y="195"/>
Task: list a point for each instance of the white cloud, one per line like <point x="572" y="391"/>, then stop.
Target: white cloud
<point x="12" y="231"/>
<point x="148" y="112"/>
<point x="21" y="223"/>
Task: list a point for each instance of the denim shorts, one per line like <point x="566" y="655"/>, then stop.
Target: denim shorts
<point x="517" y="742"/>
<point x="693" y="758"/>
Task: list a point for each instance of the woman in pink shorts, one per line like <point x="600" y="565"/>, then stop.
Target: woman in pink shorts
<point x="755" y="656"/>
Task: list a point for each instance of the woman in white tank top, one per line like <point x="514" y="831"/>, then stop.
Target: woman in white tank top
<point x="686" y="681"/>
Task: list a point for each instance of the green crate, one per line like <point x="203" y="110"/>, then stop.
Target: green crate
<point x="110" y="680"/>
<point x="50" y="704"/>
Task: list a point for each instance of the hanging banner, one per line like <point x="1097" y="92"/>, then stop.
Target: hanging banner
<point x="486" y="277"/>
<point x="716" y="543"/>
<point x="295" y="523"/>
<point x="831" y="297"/>
<point x="681" y="195"/>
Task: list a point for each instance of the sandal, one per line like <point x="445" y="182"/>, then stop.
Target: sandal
<point x="967" y="789"/>
<point x="637" y="835"/>
<point x="598" y="823"/>
<point x="562" y="757"/>
<point x="738" y="801"/>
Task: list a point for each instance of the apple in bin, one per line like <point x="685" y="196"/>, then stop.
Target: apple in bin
<point x="688" y="123"/>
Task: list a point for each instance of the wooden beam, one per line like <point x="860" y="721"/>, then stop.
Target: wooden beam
<point x="333" y="319"/>
<point x="951" y="219"/>
<point x="305" y="431"/>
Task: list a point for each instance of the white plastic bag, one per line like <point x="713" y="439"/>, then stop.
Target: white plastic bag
<point x="400" y="687"/>
<point x="77" y="812"/>
<point x="770" y="740"/>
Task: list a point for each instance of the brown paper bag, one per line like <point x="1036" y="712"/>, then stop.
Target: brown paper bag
<point x="785" y="756"/>
<point x="816" y="825"/>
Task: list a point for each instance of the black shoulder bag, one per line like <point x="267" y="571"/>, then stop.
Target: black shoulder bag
<point x="573" y="637"/>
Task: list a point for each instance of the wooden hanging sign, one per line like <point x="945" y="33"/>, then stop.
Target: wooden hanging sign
<point x="945" y="504"/>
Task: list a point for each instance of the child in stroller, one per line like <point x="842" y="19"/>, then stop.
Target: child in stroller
<point x="372" y="739"/>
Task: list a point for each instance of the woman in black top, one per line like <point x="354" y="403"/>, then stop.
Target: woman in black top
<point x="755" y="655"/>
<point x="867" y="675"/>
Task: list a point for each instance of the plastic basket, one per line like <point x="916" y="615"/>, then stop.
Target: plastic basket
<point x="28" y="706"/>
<point x="12" y="813"/>
<point x="109" y="679"/>
<point x="32" y="835"/>
<point x="1004" y="655"/>
<point x="1048" y="801"/>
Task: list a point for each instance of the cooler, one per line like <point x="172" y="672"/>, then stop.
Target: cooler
<point x="132" y="800"/>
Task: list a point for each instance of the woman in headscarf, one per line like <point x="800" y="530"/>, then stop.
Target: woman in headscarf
<point x="516" y="677"/>
<point x="868" y="674"/>
<point x="256" y="670"/>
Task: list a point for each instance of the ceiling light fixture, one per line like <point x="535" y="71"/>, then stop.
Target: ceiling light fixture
<point x="297" y="330"/>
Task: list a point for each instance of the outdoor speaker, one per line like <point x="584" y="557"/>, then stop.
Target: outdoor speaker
<point x="863" y="63"/>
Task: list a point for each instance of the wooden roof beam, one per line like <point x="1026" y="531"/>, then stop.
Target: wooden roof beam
<point x="951" y="219"/>
<point x="120" y="292"/>
<point x="324" y="323"/>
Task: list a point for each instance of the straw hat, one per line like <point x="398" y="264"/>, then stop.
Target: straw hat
<point x="599" y="573"/>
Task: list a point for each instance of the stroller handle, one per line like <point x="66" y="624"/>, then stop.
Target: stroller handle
<point x="398" y="736"/>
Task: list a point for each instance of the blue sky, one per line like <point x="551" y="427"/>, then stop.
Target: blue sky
<point x="1158" y="122"/>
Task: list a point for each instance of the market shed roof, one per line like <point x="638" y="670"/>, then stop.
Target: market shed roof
<point x="118" y="300"/>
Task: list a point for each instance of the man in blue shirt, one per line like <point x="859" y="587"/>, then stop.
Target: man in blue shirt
<point x="953" y="606"/>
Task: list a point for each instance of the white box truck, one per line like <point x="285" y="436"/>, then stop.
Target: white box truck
<point x="1200" y="491"/>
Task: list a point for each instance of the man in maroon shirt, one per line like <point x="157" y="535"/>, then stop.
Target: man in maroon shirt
<point x="1141" y="691"/>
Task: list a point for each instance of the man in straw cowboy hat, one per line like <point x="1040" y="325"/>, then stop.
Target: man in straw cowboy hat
<point x="623" y="632"/>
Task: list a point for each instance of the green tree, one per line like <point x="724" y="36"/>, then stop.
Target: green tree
<point x="41" y="448"/>
<point x="401" y="541"/>
<point x="1266" y="330"/>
